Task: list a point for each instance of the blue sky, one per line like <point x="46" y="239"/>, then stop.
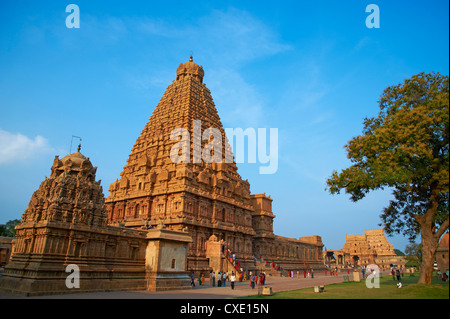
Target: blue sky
<point x="312" y="69"/>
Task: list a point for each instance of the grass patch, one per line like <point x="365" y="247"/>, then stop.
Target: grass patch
<point x="358" y="290"/>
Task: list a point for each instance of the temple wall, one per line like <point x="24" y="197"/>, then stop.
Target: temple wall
<point x="108" y="259"/>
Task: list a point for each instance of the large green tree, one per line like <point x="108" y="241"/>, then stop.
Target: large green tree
<point x="406" y="148"/>
<point x="8" y="229"/>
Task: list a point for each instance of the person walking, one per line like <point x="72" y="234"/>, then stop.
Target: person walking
<point x="213" y="278"/>
<point x="224" y="279"/>
<point x="192" y="280"/>
<point x="232" y="280"/>
<point x="252" y="280"/>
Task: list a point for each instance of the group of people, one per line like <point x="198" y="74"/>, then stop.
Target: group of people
<point x="231" y="256"/>
<point x="254" y="279"/>
<point x="442" y="276"/>
<point x="397" y="273"/>
<point x="308" y="273"/>
<point x="223" y="277"/>
<point x="333" y="272"/>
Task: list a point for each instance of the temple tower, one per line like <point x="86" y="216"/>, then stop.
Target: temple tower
<point x="206" y="197"/>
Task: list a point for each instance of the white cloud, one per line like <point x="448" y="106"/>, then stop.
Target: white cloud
<point x="18" y="147"/>
<point x="235" y="36"/>
<point x="226" y="37"/>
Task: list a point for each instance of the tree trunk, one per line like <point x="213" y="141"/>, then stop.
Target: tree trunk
<point x="429" y="246"/>
<point x="430" y="239"/>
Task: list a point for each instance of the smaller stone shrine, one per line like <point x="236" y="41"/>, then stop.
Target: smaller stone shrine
<point x="65" y="225"/>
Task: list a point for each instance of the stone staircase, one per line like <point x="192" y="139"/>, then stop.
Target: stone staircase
<point x="229" y="259"/>
<point x="261" y="265"/>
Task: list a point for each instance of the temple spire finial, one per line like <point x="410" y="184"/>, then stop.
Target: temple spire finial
<point x="191" y="59"/>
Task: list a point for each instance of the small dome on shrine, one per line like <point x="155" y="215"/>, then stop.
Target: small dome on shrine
<point x="75" y="158"/>
<point x="190" y="69"/>
<point x="76" y="161"/>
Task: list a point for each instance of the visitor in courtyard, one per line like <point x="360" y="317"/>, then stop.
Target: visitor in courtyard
<point x="212" y="278"/>
<point x="219" y="279"/>
<point x="252" y="280"/>
<point x="192" y="280"/>
<point x="261" y="279"/>
<point x="232" y="280"/>
<point x="224" y="279"/>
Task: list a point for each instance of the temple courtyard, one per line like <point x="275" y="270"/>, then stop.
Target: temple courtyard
<point x="242" y="289"/>
<point x="341" y="286"/>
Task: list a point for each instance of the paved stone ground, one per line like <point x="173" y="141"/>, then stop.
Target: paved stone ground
<point x="204" y="292"/>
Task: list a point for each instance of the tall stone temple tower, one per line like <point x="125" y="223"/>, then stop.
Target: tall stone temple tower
<point x="210" y="200"/>
<point x="207" y="198"/>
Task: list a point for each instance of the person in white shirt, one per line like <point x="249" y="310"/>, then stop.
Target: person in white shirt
<point x="232" y="279"/>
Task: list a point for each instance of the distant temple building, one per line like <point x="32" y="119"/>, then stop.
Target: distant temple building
<point x="161" y="219"/>
<point x="372" y="247"/>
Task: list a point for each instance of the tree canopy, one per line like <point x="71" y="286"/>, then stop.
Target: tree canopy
<point x="8" y="230"/>
<point x="405" y="148"/>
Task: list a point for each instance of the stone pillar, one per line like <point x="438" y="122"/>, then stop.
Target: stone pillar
<point x="214" y="253"/>
<point x="166" y="259"/>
